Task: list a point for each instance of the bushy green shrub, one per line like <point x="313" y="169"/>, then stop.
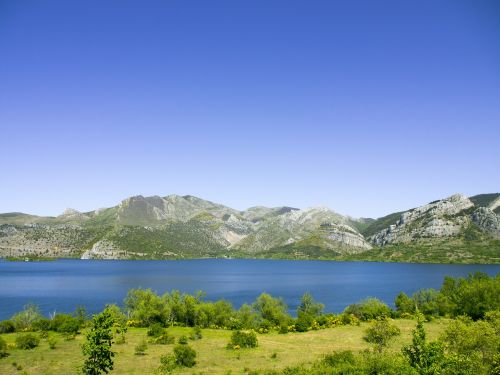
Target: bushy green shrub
<point x="155" y="330"/>
<point x="52" y="341"/>
<point x="66" y="324"/>
<point x="167" y="364"/>
<point x="185" y="356"/>
<point x="303" y="322"/>
<point x="140" y="349"/>
<point x="7" y="326"/>
<point x="381" y="332"/>
<point x="243" y="339"/>
<point x="183" y="340"/>
<point x="349" y="319"/>
<point x="337" y="358"/>
<point x="196" y="334"/>
<point x="27" y="341"/>
<point x="368" y="309"/>
<point x="164" y="339"/>
<point x="42" y="324"/>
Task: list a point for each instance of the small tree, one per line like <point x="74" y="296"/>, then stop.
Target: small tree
<point x="308" y="306"/>
<point x="380" y="333"/>
<point x="97" y="349"/>
<point x="423" y="356"/>
<point x="24" y="320"/>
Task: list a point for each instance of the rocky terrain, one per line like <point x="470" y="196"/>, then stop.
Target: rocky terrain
<point x="186" y="227"/>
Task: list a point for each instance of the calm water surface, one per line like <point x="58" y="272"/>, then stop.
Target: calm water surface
<point x="64" y="284"/>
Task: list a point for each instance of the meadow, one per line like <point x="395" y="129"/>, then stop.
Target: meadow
<point x="274" y="352"/>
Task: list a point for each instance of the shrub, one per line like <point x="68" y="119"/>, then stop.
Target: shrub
<point x="265" y="326"/>
<point x="349" y="319"/>
<point x="167" y="364"/>
<point x="381" y="332"/>
<point x="336" y="358"/>
<point x="155" y="330"/>
<point x="163" y="339"/>
<point x="185" y="356"/>
<point x="52" y="341"/>
<point x="183" y="340"/>
<point x="42" y="324"/>
<point x="368" y="309"/>
<point x="196" y="334"/>
<point x="6" y="326"/>
<point x="27" y="341"/>
<point x="141" y="348"/>
<point x="303" y="323"/>
<point x="3" y="348"/>
<point x="66" y="324"/>
<point x="243" y="339"/>
<point x="283" y="328"/>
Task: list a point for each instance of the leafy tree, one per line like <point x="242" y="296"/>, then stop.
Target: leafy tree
<point x="24" y="320"/>
<point x="370" y="308"/>
<point x="120" y="322"/>
<point x="66" y="324"/>
<point x="81" y="315"/>
<point x="380" y="333"/>
<point x="97" y="349"/>
<point x="271" y="309"/>
<point x="425" y="357"/>
<point x="468" y="339"/>
<point x="404" y="304"/>
<point x="472" y="296"/>
<point x="426" y="302"/>
<point x="308" y="306"/>
<point x="245" y="317"/>
<point x="146" y="307"/>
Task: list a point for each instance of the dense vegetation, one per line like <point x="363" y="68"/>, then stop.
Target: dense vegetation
<point x="468" y="343"/>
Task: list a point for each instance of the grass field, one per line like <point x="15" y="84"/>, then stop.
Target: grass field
<point x="275" y="351"/>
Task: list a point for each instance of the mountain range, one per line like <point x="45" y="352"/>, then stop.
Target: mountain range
<point x="454" y="229"/>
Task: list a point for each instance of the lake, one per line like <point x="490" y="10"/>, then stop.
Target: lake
<point x="62" y="285"/>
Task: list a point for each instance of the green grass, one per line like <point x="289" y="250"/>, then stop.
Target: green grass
<point x="275" y="351"/>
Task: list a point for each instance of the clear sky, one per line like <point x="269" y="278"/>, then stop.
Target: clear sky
<point x="368" y="107"/>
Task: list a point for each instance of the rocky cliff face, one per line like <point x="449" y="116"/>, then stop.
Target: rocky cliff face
<point x="446" y="218"/>
<point x="487" y="220"/>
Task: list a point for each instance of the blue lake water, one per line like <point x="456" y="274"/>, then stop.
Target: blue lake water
<point x="64" y="284"/>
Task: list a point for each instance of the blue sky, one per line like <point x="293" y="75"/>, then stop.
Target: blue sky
<point x="366" y="107"/>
